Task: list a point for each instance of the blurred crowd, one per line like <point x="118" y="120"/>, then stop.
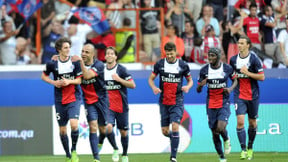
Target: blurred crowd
<point x="193" y="25"/>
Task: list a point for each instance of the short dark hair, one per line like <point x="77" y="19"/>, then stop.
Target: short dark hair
<point x="112" y="48"/>
<point x="59" y="43"/>
<point x="252" y="5"/>
<point x="170" y="46"/>
<point x="248" y="40"/>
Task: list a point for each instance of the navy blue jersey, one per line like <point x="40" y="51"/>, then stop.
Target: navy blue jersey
<point x="117" y="93"/>
<point x="247" y="88"/>
<point x="171" y="80"/>
<point x="69" y="70"/>
<point x="216" y="82"/>
<point x="94" y="88"/>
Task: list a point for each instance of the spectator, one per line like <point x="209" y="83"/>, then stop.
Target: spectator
<point x="115" y="16"/>
<point x="178" y="14"/>
<point x="280" y="8"/>
<point x="149" y="20"/>
<point x="188" y="35"/>
<point x="172" y="37"/>
<point x="24" y="55"/>
<point x="251" y="25"/>
<point x="48" y="12"/>
<point x="218" y="6"/>
<point x="207" y="18"/>
<point x="244" y="5"/>
<point x="101" y="42"/>
<point x="51" y="34"/>
<point x="197" y="54"/>
<point x="210" y="40"/>
<point x="130" y="14"/>
<point x="125" y="44"/>
<point x="8" y="43"/>
<point x="283" y="41"/>
<point x="268" y="25"/>
<point x="77" y="33"/>
<point x="195" y="7"/>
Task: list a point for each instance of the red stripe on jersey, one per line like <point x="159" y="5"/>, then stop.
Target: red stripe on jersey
<point x="169" y="93"/>
<point x="68" y="94"/>
<point x="245" y="89"/>
<point x="215" y="98"/>
<point x="96" y="74"/>
<point x="89" y="93"/>
<point x="115" y="101"/>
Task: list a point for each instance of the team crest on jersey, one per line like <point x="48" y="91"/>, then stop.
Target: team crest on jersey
<point x="72" y="67"/>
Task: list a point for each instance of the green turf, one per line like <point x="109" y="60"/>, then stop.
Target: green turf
<point x="182" y="157"/>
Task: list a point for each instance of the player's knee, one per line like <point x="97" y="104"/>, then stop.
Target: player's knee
<point x="109" y="128"/>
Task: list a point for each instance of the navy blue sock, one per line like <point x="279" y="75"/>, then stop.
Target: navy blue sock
<point x="65" y="143"/>
<point x="111" y="138"/>
<point x="101" y="138"/>
<point x="174" y="138"/>
<point x="124" y="142"/>
<point x="218" y="145"/>
<point x="251" y="136"/>
<point x="241" y="133"/>
<point x="94" y="145"/>
<point x="224" y="135"/>
<point x="74" y="137"/>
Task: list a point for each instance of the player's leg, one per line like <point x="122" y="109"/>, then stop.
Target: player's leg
<point x="62" y="119"/>
<point x="176" y="113"/>
<point x="213" y="123"/>
<point x="110" y="134"/>
<point x="252" y="117"/>
<point x="92" y="118"/>
<point x="241" y="110"/>
<point x="122" y="120"/>
<point x="222" y="117"/>
<point x="73" y="113"/>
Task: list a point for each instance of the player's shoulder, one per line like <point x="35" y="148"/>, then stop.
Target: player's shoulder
<point x="204" y="68"/>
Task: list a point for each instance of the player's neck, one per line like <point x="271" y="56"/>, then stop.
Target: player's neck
<point x="63" y="58"/>
<point x="111" y="65"/>
<point x="244" y="54"/>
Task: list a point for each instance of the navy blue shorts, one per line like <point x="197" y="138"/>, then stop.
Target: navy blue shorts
<point x="64" y="112"/>
<point x="218" y="114"/>
<point x="245" y="106"/>
<point x="122" y="119"/>
<point x="171" y="113"/>
<point x="97" y="111"/>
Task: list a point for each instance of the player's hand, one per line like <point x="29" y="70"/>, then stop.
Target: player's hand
<point x="185" y="89"/>
<point x="244" y="70"/>
<point x="156" y="90"/>
<point x="226" y="91"/>
<point x="65" y="82"/>
<point x="54" y="57"/>
<point x="58" y="83"/>
<point x="116" y="77"/>
<point x="203" y="82"/>
<point x="75" y="58"/>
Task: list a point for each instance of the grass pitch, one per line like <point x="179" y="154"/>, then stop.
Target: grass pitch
<point x="182" y="157"/>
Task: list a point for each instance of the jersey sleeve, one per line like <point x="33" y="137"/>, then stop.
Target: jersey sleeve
<point x="258" y="66"/>
<point x="186" y="70"/>
<point x="48" y="68"/>
<point x="202" y="74"/>
<point x="156" y="68"/>
<point x="231" y="72"/>
<point x="124" y="74"/>
<point x="77" y="69"/>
